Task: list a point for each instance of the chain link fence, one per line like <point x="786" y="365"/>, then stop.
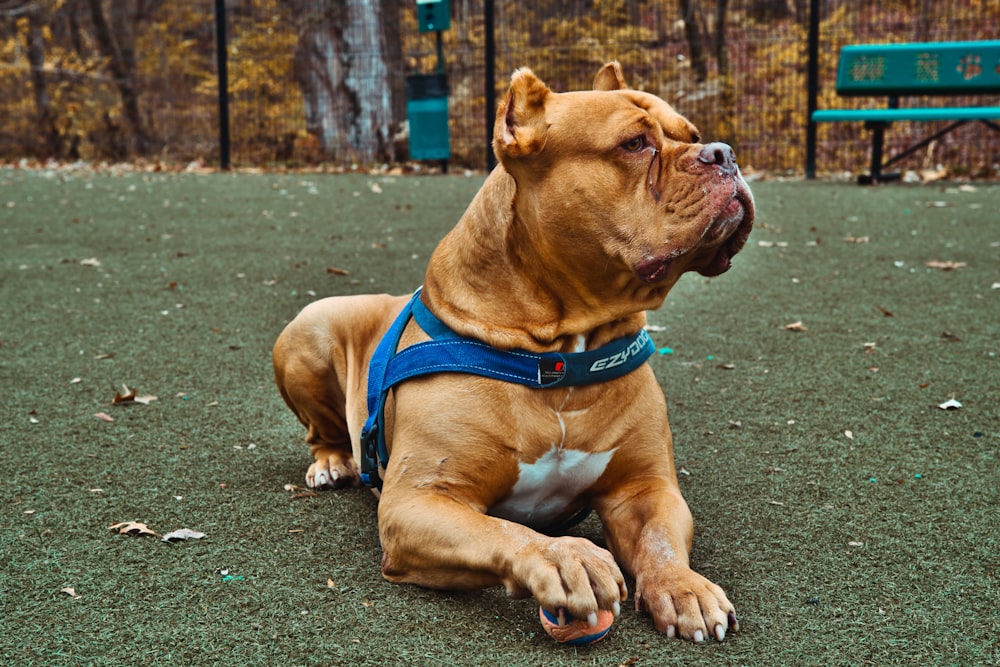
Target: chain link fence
<point x="144" y="86"/>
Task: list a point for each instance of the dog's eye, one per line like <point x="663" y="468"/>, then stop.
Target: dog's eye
<point x="635" y="144"/>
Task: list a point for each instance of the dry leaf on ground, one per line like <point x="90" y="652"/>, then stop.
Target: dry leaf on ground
<point x="128" y="396"/>
<point x="182" y="534"/>
<point x="132" y="528"/>
<point x="944" y="266"/>
<point x="796" y="326"/>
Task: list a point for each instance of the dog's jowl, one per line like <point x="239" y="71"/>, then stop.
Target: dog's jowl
<point x="511" y="394"/>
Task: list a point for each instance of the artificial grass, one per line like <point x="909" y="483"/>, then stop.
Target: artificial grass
<point x="878" y="547"/>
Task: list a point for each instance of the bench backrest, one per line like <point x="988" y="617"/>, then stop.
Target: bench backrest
<point x="934" y="68"/>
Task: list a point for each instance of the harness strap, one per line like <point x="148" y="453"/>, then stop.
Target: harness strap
<point x="448" y="352"/>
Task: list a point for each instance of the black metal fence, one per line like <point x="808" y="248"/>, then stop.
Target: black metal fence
<point x="737" y="68"/>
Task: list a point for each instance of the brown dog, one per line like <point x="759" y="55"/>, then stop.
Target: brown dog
<point x="602" y="200"/>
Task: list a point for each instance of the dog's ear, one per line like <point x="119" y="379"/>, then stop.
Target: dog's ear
<point x="610" y="77"/>
<point x="520" y="125"/>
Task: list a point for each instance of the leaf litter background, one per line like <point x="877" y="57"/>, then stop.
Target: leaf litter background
<point x="850" y="517"/>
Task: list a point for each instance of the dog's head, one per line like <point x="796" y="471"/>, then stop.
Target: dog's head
<point x="615" y="177"/>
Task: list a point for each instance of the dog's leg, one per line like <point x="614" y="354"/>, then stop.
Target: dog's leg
<point x="317" y="399"/>
<point x="309" y="365"/>
<point x="649" y="528"/>
<point x="432" y="539"/>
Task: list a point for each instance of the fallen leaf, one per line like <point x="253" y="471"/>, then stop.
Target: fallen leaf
<point x="852" y="543"/>
<point x="950" y="404"/>
<point x="333" y="270"/>
<point x="70" y="591"/>
<point x="857" y="239"/>
<point x="76" y="381"/>
<point x="330" y="584"/>
<point x="949" y="337"/>
<point x="849" y="434"/>
<point x="776" y="502"/>
<point x="126" y="395"/>
<point x="90" y="261"/>
<point x="796" y="326"/>
<point x="104" y="417"/>
<point x="132" y="528"/>
<point x="887" y="313"/>
<point x="944" y="266"/>
<point x="182" y="534"/>
<point x="101" y="357"/>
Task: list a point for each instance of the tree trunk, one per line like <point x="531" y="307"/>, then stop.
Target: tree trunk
<point x="727" y="128"/>
<point x="342" y="66"/>
<point x="116" y="47"/>
<point x="49" y="141"/>
<point x="693" y="34"/>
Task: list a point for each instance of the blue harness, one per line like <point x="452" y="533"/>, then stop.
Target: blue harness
<point x="448" y="352"/>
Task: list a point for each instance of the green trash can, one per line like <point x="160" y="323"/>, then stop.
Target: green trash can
<point x="427" y="113"/>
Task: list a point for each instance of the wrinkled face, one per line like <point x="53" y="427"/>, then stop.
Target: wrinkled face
<point x="671" y="204"/>
<point x="619" y="179"/>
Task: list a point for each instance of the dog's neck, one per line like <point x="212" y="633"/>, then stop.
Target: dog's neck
<point x="487" y="280"/>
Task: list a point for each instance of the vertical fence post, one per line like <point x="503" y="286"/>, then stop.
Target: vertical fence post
<point x="223" y="67"/>
<point x="812" y="88"/>
<point x="491" y="86"/>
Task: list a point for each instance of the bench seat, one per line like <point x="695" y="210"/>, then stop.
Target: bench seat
<point x="915" y="114"/>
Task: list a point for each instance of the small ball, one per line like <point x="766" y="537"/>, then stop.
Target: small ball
<point x="575" y="631"/>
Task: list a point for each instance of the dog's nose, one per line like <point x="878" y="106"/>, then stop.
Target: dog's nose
<point x="719" y="154"/>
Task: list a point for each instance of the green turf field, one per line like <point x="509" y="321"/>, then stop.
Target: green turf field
<point x="850" y="519"/>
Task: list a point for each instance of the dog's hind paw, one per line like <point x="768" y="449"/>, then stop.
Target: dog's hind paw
<point x="332" y="470"/>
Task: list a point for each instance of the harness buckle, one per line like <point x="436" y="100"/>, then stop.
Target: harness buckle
<point x="369" y="459"/>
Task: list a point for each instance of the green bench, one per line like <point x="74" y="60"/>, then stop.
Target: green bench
<point x="901" y="70"/>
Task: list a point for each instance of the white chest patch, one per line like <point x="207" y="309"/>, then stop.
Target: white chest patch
<point x="546" y="487"/>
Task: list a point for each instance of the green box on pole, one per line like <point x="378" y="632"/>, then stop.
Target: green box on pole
<point x="427" y="113"/>
<point x="433" y="15"/>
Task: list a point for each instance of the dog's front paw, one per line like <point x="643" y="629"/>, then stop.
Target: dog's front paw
<point x="569" y="573"/>
<point x="685" y="604"/>
<point x="332" y="469"/>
